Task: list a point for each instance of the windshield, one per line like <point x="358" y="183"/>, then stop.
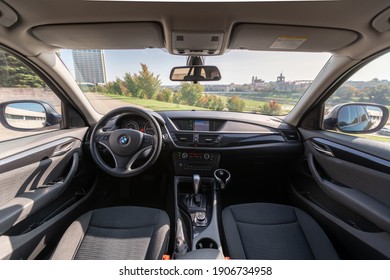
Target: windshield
<point x="268" y="83"/>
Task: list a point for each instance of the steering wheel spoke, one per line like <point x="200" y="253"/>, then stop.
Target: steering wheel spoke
<point x="121" y="162"/>
<point x="103" y="138"/>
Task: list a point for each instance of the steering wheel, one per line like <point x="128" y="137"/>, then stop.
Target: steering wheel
<point x="126" y="145"/>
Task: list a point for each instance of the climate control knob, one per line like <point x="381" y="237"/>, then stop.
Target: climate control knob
<point x="206" y="156"/>
<point x="184" y="155"/>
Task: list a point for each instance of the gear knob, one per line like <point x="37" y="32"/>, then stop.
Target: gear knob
<point x="223" y="177"/>
<point x="196" y="180"/>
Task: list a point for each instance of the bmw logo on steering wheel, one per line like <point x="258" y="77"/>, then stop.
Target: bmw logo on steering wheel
<point x="124" y="140"/>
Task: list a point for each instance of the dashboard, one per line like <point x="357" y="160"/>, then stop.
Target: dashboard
<point x="201" y="141"/>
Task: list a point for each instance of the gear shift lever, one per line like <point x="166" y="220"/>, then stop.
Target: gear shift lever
<point x="223" y="177"/>
<point x="196" y="198"/>
<point x="196" y="179"/>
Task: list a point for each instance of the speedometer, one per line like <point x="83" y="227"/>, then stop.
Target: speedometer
<point x="130" y="124"/>
<point x="149" y="129"/>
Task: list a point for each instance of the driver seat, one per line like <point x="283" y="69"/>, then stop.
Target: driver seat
<point x="116" y="233"/>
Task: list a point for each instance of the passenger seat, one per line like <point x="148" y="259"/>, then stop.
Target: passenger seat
<point x="274" y="232"/>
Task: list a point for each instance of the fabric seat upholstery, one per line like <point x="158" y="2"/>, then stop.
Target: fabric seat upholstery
<point x="272" y="231"/>
<point x="117" y="233"/>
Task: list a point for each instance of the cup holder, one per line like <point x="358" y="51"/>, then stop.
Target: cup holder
<point x="206" y="243"/>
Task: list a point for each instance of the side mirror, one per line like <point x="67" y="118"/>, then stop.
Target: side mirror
<point x="195" y="73"/>
<point x="357" y="118"/>
<point x="28" y="115"/>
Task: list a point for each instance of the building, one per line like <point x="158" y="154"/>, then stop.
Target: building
<point x="257" y="83"/>
<point x="281" y="78"/>
<point x="89" y="66"/>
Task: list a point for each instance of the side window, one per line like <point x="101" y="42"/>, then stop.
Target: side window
<point x="27" y="105"/>
<point x="368" y="94"/>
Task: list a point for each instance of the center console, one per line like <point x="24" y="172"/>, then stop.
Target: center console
<point x="196" y="204"/>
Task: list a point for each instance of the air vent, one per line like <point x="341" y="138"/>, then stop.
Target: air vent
<point x="209" y="139"/>
<point x="290" y="135"/>
<point x="184" y="138"/>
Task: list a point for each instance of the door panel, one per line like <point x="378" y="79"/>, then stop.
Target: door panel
<point x="38" y="185"/>
<point x="361" y="202"/>
<point x="348" y="182"/>
<point x="34" y="175"/>
<point x="343" y="173"/>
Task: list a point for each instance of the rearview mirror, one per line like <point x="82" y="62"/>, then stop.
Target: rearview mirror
<point x="28" y="115"/>
<point x="195" y="73"/>
<point x="357" y="118"/>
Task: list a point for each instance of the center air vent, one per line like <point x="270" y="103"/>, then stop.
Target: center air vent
<point x="209" y="139"/>
<point x="184" y="137"/>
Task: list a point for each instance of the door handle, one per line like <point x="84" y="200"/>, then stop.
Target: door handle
<point x="322" y="149"/>
<point x="63" y="149"/>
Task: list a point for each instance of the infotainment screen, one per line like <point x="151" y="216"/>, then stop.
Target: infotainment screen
<point x="201" y="125"/>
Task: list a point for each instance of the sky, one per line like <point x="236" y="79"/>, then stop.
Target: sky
<point x="235" y="66"/>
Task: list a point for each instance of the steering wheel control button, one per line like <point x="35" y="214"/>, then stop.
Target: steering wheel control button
<point x="124" y="140"/>
<point x="148" y="140"/>
<point x="103" y="137"/>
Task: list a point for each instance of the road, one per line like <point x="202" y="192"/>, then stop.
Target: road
<point x="103" y="104"/>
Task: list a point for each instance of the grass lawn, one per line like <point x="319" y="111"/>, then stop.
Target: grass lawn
<point x="253" y="105"/>
<point x="250" y="105"/>
<point x="154" y="104"/>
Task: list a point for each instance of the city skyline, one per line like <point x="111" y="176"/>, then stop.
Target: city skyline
<point x="236" y="66"/>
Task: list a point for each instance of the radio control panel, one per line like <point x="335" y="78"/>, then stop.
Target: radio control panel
<point x="196" y="156"/>
<point x="191" y="162"/>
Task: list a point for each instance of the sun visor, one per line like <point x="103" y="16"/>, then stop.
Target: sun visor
<point x="138" y="35"/>
<point x="8" y="16"/>
<point x="289" y="38"/>
<point x="382" y="21"/>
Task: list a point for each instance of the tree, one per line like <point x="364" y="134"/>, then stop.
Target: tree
<point x="271" y="108"/>
<point x="380" y="94"/>
<point x="214" y="103"/>
<point x="235" y="103"/>
<point x="176" y="98"/>
<point x="114" y="87"/>
<point x="167" y="95"/>
<point x="345" y="93"/>
<point x="14" y="73"/>
<point x="191" y="93"/>
<point x="203" y="101"/>
<point x="130" y="84"/>
<point x="219" y="105"/>
<point x="147" y="84"/>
